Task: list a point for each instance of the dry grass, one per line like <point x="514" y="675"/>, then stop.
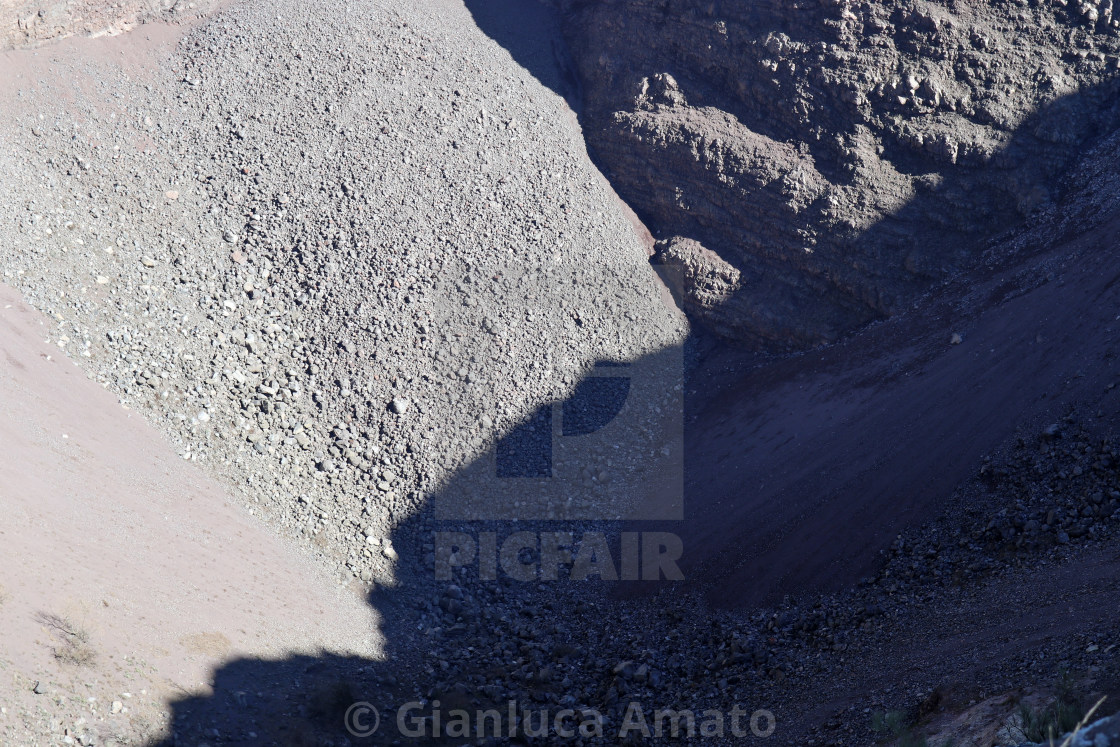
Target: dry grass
<point x="74" y="647"/>
<point x="1080" y="725"/>
<point x="1067" y="713"/>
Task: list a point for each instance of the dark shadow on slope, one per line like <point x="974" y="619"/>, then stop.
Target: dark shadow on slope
<point x="762" y="443"/>
<point x="796" y="479"/>
<point x="797" y="474"/>
<point x="815" y="461"/>
<point x="530" y="31"/>
<point x="576" y="466"/>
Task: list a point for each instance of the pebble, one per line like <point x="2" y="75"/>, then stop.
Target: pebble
<point x="400" y="405"/>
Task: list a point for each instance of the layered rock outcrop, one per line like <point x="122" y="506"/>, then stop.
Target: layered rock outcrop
<point x="841" y="157"/>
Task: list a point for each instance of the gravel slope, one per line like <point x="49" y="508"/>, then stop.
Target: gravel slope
<point x="333" y="252"/>
<point x="266" y="237"/>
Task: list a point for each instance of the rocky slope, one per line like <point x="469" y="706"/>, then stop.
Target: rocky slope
<point x="335" y="252"/>
<point x="292" y="254"/>
<point x="815" y="165"/>
<point x="332" y="255"/>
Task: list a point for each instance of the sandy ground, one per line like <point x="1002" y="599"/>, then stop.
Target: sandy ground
<point x="125" y="570"/>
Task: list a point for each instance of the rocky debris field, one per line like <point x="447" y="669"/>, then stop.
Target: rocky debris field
<point x="297" y="274"/>
<point x="331" y="266"/>
<point x="335" y="252"/>
<point x="549" y="647"/>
